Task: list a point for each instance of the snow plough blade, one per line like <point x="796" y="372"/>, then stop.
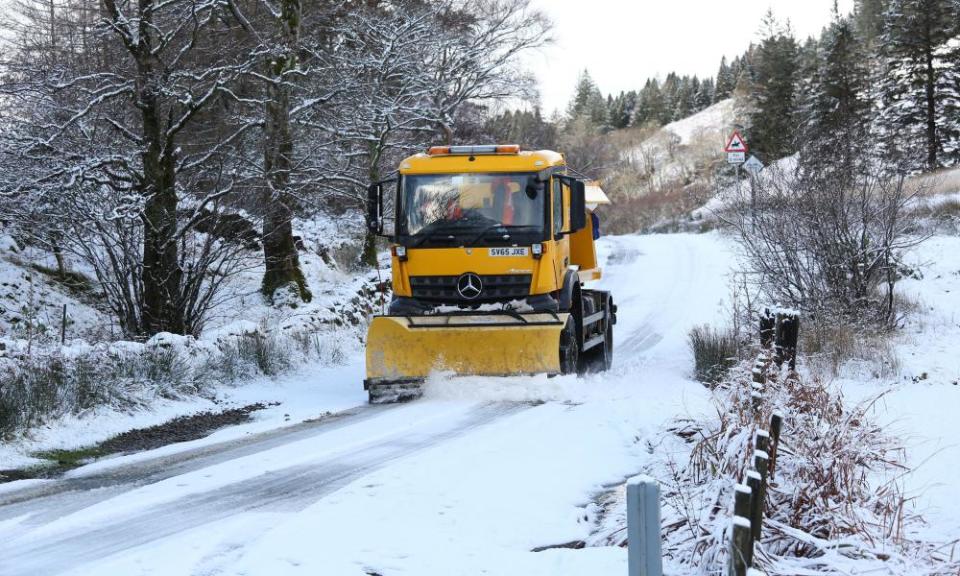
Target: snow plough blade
<point x="403" y="350"/>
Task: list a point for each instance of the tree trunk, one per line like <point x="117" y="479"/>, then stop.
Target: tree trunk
<point x="281" y="260"/>
<point x="58" y="256"/>
<point x="931" y="109"/>
<point x="369" y="254"/>
<point x="161" y="267"/>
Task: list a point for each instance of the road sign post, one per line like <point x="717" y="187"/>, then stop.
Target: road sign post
<point x="753" y="166"/>
<point x="736" y="150"/>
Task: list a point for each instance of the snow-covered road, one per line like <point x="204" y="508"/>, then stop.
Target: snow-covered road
<point x="467" y="480"/>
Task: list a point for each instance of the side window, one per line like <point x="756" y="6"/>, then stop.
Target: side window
<point x="557" y="208"/>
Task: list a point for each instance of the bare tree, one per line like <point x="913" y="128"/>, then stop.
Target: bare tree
<point x="830" y="246"/>
<point x="417" y="67"/>
<point x="130" y="129"/>
<point x="106" y="123"/>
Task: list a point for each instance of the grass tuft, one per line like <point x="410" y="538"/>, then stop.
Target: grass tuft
<point x="714" y="352"/>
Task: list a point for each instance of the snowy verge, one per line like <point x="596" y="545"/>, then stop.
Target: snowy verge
<point x="307" y="392"/>
<point x="834" y="506"/>
<point x="922" y="396"/>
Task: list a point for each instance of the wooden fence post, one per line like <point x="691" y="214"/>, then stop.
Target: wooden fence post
<point x="741" y="500"/>
<point x="761" y="441"/>
<point x="776" y="426"/>
<point x="761" y="462"/>
<point x="755" y="482"/>
<point x="756" y="401"/>
<point x="63" y="326"/>
<point x="787" y="335"/>
<point x="743" y="496"/>
<point x="767" y="328"/>
<point x="741" y="547"/>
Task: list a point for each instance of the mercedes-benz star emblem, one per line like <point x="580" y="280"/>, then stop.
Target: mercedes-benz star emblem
<point x="469" y="286"/>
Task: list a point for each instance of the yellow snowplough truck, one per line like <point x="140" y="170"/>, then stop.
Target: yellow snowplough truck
<point x="491" y="247"/>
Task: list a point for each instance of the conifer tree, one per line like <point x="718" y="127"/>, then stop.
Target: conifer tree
<point x="651" y="107"/>
<point x="669" y="91"/>
<point x="869" y="15"/>
<point x="949" y="120"/>
<point x="621" y="109"/>
<point x="774" y="74"/>
<point x="684" y="99"/>
<point x="588" y="103"/>
<point x="916" y="88"/>
<point x="705" y="94"/>
<point x="726" y="81"/>
<point x="837" y="110"/>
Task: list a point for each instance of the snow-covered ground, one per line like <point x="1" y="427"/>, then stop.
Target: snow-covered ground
<point x="921" y="404"/>
<point x="308" y="392"/>
<point x="468" y="480"/>
<point x="481" y="471"/>
<point x="711" y="122"/>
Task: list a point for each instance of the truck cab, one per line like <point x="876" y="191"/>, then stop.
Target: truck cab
<point x="498" y="233"/>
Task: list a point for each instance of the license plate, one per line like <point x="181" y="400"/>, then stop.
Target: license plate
<point x="512" y="251"/>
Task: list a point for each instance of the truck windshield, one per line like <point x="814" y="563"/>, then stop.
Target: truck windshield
<point x="478" y="209"/>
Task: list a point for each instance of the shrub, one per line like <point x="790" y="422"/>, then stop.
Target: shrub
<point x="829" y="346"/>
<point x="36" y="387"/>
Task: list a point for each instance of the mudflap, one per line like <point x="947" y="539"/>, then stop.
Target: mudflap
<point x="404" y="350"/>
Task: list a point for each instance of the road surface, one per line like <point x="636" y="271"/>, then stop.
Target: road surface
<point x="467" y="480"/>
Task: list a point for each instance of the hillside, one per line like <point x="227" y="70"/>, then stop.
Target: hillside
<point x="686" y="149"/>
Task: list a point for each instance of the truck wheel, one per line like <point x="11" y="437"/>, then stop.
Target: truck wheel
<point x="569" y="348"/>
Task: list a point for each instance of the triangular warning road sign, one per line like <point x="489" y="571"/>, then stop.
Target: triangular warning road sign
<point x="736" y="143"/>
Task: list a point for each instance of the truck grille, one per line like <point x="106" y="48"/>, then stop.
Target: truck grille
<point x="443" y="289"/>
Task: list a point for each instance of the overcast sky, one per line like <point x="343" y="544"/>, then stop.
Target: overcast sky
<point x="622" y="42"/>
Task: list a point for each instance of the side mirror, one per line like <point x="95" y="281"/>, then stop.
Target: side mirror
<point x="375" y="208"/>
<point x="578" y="205"/>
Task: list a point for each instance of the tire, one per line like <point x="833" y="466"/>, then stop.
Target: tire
<point x="569" y="348"/>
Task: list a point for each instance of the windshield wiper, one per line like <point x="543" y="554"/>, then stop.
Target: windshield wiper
<point x="486" y="231"/>
<point x="506" y="231"/>
<point x="436" y="235"/>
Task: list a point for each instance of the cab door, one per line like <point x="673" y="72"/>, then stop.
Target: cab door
<point x="560" y="224"/>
